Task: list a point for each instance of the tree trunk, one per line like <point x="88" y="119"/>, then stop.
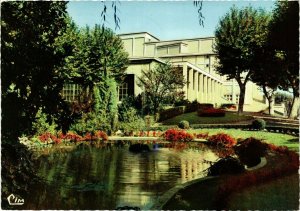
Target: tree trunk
<point x="269" y="98"/>
<point x="242" y="98"/>
<point x="291" y="108"/>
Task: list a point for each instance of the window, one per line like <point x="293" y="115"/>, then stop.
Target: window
<point x="70" y="92"/>
<point x="228" y="97"/>
<point x="123" y="91"/>
<point x="237" y="98"/>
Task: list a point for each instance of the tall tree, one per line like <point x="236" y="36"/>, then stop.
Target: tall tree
<point x="30" y="61"/>
<point x="283" y="42"/>
<point x="238" y="34"/>
<point x="159" y="82"/>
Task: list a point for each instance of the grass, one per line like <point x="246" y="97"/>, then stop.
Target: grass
<point x="262" y="197"/>
<point x="274" y="138"/>
<point x="193" y="118"/>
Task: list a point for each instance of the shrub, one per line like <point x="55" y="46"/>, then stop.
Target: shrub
<point x="175" y="135"/>
<point x="191" y="107"/>
<point x="227" y="165"/>
<point x="130" y="120"/>
<point x="169" y="113"/>
<point x="250" y="151"/>
<point x="205" y="105"/>
<point x="91" y="122"/>
<point x="42" y="125"/>
<point x="222" y="140"/>
<point x="258" y="124"/>
<point x="211" y="112"/>
<point x="184" y="124"/>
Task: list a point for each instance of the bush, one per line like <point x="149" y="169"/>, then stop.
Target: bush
<point x="211" y="112"/>
<point x="222" y="140"/>
<point x="251" y="150"/>
<point x="205" y="105"/>
<point x="41" y="125"/>
<point x="259" y="124"/>
<point x="184" y="124"/>
<point x="175" y="135"/>
<point x="91" y="122"/>
<point x="130" y="120"/>
<point x="227" y="165"/>
<point x="191" y="107"/>
<point x="169" y="113"/>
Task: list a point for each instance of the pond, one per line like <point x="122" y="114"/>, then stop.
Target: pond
<point x="112" y="177"/>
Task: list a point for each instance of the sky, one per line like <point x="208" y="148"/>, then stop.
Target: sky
<point x="166" y="20"/>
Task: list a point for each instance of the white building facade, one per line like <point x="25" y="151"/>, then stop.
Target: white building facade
<point x="197" y="59"/>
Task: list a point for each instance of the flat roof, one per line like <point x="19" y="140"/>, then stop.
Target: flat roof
<point x="133" y="33"/>
<point x="174" y="40"/>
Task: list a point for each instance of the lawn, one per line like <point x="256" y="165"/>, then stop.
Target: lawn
<point x="278" y="139"/>
<point x="193" y="118"/>
<point x="262" y="197"/>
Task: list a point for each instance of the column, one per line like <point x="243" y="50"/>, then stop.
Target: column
<point x="205" y="89"/>
<point x="191" y="84"/>
<point x="196" y="77"/>
<point x="185" y="78"/>
<point x="201" y="87"/>
<point x="209" y="90"/>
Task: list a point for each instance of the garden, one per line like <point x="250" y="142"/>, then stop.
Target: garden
<point x="89" y="147"/>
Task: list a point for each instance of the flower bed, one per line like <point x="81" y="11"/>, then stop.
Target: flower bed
<point x="175" y="135"/>
<point x="48" y="138"/>
<point x="211" y="112"/>
<point x="222" y="140"/>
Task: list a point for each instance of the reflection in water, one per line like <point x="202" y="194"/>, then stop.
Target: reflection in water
<point x="91" y="178"/>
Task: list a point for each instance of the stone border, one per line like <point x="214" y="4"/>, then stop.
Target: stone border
<point x="162" y="200"/>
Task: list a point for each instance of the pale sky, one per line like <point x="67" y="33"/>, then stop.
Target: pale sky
<point x="166" y="20"/>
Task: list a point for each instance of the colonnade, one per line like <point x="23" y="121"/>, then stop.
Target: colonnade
<point x="201" y="86"/>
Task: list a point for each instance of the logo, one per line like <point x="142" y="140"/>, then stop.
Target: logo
<point x="15" y="200"/>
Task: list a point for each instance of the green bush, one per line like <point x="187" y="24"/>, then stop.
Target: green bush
<point x="42" y="125"/>
<point x="184" y="124"/>
<point x="259" y="124"/>
<point x="130" y="120"/>
<point x="91" y="122"/>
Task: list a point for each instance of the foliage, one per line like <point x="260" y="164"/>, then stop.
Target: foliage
<point x="239" y="34"/>
<point x="30" y="62"/>
<point x="48" y="137"/>
<point x="250" y="151"/>
<point x="41" y="124"/>
<point x="205" y="105"/>
<point x="130" y="120"/>
<point x="91" y="122"/>
<point x="17" y="171"/>
<point x="211" y="112"/>
<point x="184" y="124"/>
<point x="159" y="82"/>
<point x="227" y="165"/>
<point x="258" y="124"/>
<point x="174" y="135"/>
<point x="284" y="26"/>
<point x="201" y="135"/>
<point x="221" y="140"/>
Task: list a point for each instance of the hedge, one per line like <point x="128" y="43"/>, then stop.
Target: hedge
<point x="169" y="113"/>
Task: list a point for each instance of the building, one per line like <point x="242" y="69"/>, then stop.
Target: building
<point x="196" y="58"/>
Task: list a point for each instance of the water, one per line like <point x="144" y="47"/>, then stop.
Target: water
<point x="107" y="178"/>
